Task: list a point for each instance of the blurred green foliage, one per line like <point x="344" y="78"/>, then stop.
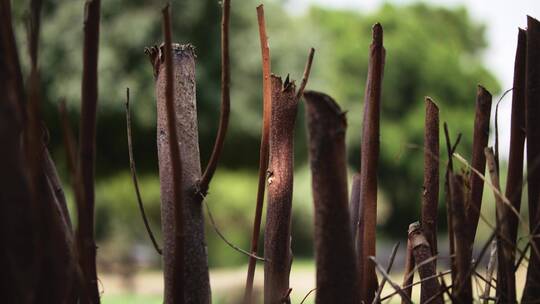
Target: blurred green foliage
<point x="429" y="51"/>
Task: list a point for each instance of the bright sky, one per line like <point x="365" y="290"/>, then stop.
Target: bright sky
<point x="502" y="18"/>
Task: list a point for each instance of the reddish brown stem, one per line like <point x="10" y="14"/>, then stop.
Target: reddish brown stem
<point x="422" y="253"/>
<point x="85" y="237"/>
<point x="478" y="160"/>
<point x="277" y="234"/>
<point x="225" y="100"/>
<point x="430" y="197"/>
<point x="369" y="161"/>
<point x="463" y="286"/>
<point x="514" y="180"/>
<point x="334" y="250"/>
<point x="532" y="285"/>
<point x="263" y="153"/>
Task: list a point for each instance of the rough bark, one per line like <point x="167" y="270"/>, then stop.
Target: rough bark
<point x="429" y="290"/>
<point x="277" y="234"/>
<point x="369" y="161"/>
<point x="463" y="286"/>
<point x="478" y="160"/>
<point x="196" y="278"/>
<point x="430" y="196"/>
<point x="532" y="285"/>
<point x="334" y="250"/>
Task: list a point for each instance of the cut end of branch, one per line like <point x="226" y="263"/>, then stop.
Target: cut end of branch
<point x="532" y="22"/>
<point x="483" y="92"/>
<point x="431" y="103"/>
<point x="377" y="34"/>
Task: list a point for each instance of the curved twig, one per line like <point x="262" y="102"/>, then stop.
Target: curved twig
<point x="305" y="77"/>
<point x="135" y="179"/>
<point x="233" y="246"/>
<point x="225" y="101"/>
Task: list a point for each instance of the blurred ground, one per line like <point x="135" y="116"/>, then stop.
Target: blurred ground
<point x="228" y="284"/>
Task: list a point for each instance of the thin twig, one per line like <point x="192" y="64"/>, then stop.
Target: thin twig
<point x="218" y="232"/>
<point x="439" y="275"/>
<point x="135" y="179"/>
<point x="377" y="297"/>
<point x="305" y="76"/>
<point x="263" y="153"/>
<point x="307" y="295"/>
<point x="225" y="101"/>
<point x="387" y="277"/>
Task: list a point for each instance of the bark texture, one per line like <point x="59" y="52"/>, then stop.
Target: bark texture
<point x="277" y="234"/>
<point x="196" y="279"/>
<point x="430" y="289"/>
<point x="334" y="251"/>
<point x="430" y="196"/>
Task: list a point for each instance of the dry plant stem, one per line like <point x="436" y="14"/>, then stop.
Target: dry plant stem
<point x="225" y="100"/>
<point x="263" y="153"/>
<point x="305" y="76"/>
<point x="369" y="161"/>
<point x="449" y="211"/>
<point x="354" y="204"/>
<point x="408" y="274"/>
<point x="386" y="276"/>
<point x="134" y="178"/>
<point x="478" y="159"/>
<point x="504" y="249"/>
<point x="277" y="237"/>
<point x="422" y="252"/>
<point x="532" y="285"/>
<point x="86" y="246"/>
<point x="334" y="247"/>
<point x="489" y="271"/>
<point x="430" y="197"/>
<point x="463" y="290"/>
<point x="377" y="298"/>
<point x="439" y="275"/>
<point x="184" y="248"/>
<point x="514" y="181"/>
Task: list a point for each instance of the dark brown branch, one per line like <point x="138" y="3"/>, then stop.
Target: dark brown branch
<point x="369" y="161"/>
<point x="505" y="265"/>
<point x="334" y="249"/>
<point x="422" y="252"/>
<point x="263" y="153"/>
<point x="305" y="76"/>
<point x="277" y="237"/>
<point x="134" y="178"/>
<point x="531" y="291"/>
<point x="225" y="100"/>
<point x="514" y="180"/>
<point x="463" y="290"/>
<point x="478" y="159"/>
<point x="408" y="274"/>
<point x="85" y="237"/>
<point x="377" y="298"/>
<point x="430" y="197"/>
